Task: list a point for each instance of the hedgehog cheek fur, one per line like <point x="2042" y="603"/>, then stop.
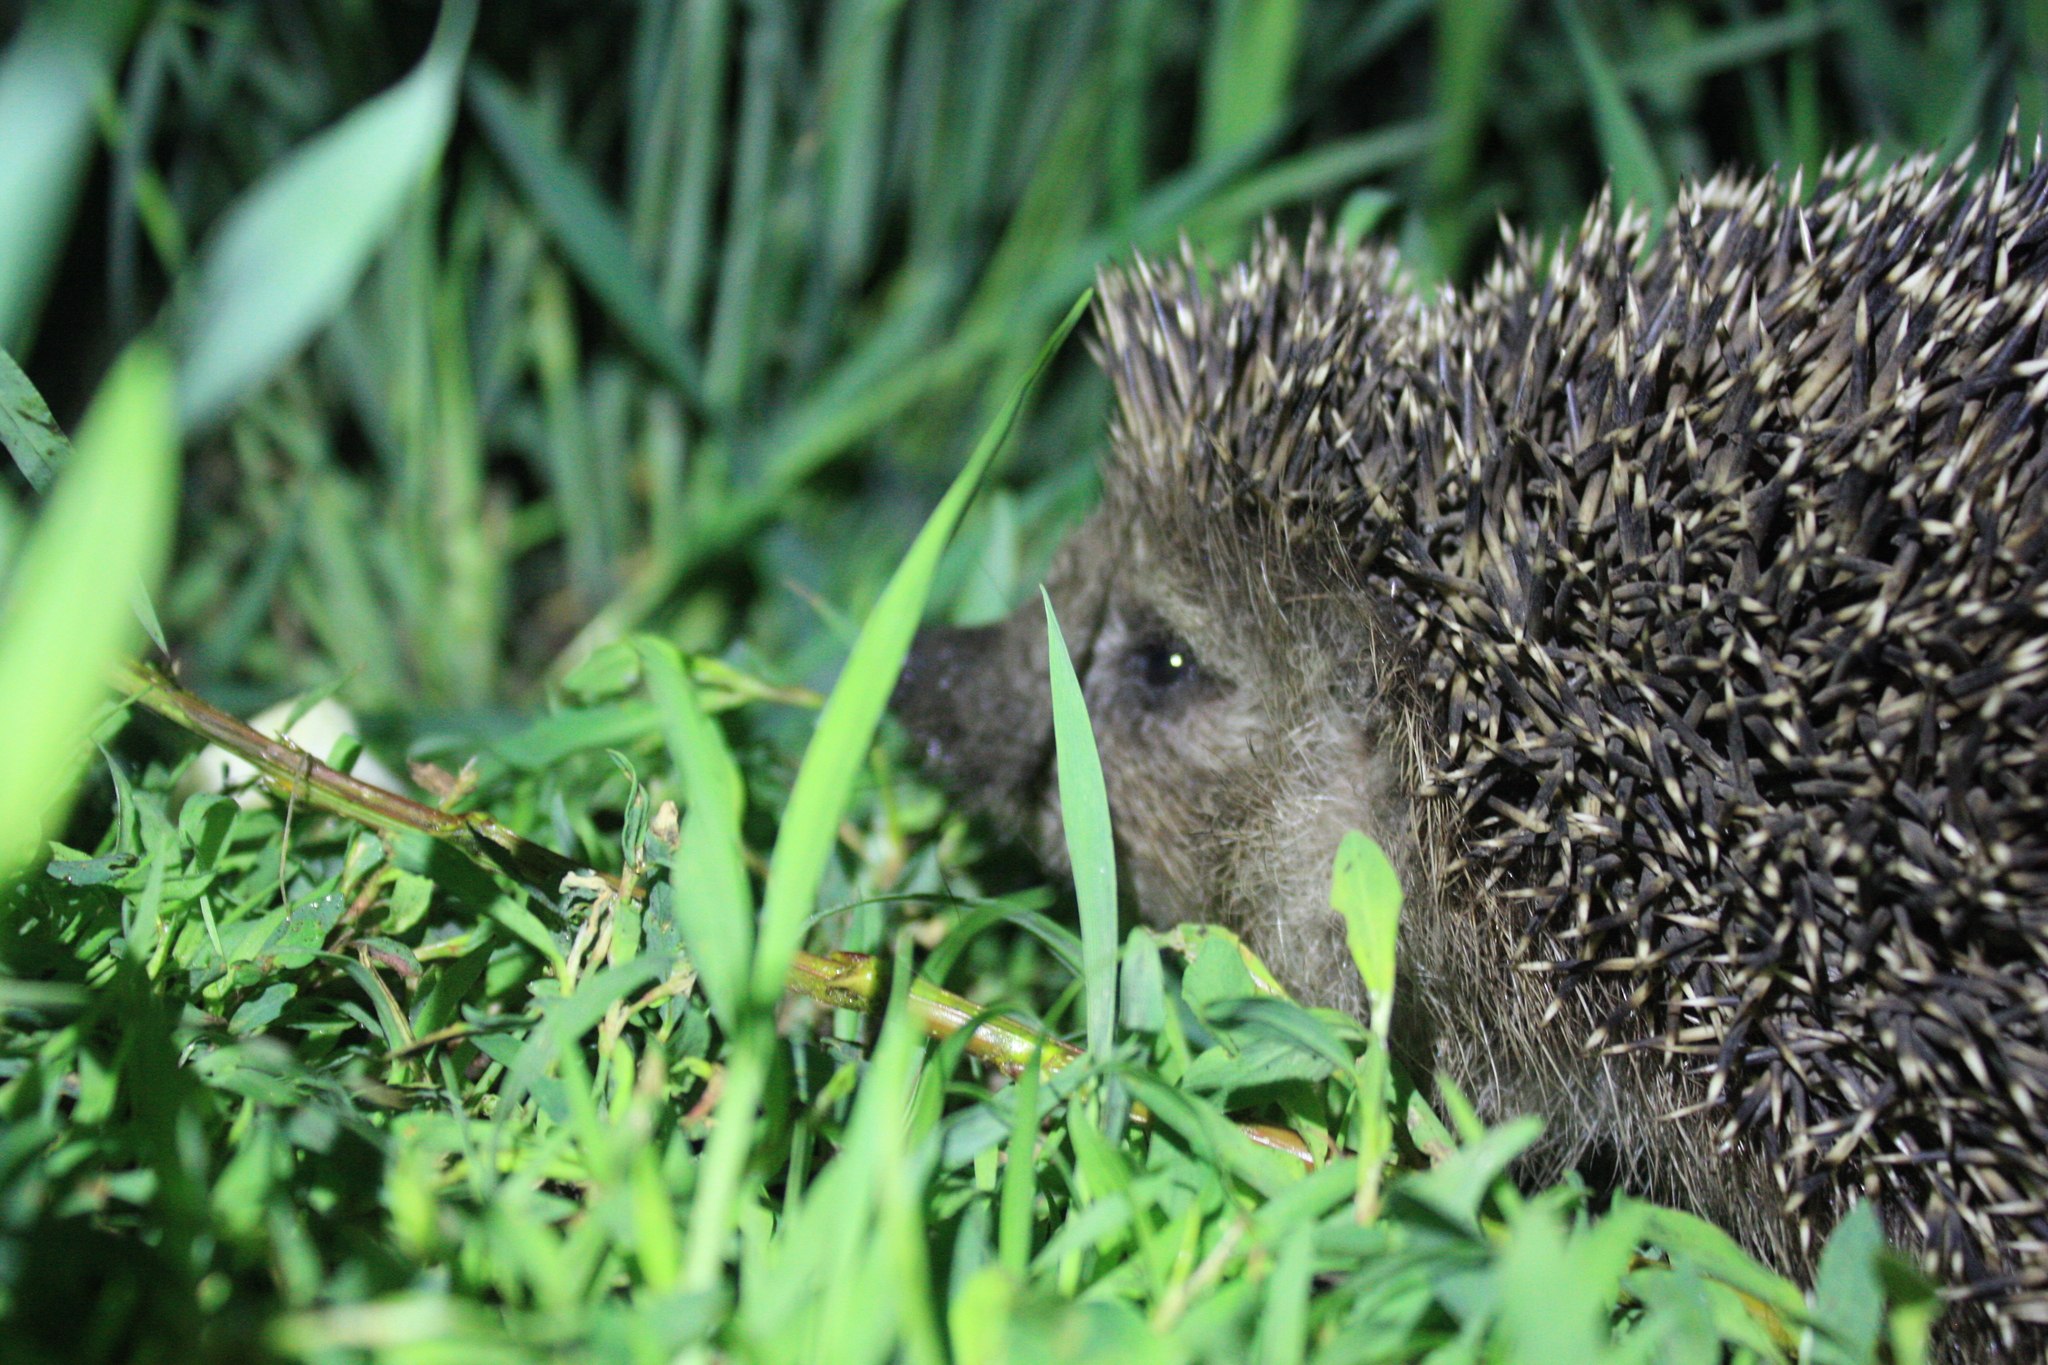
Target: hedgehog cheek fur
<point x="1244" y="717"/>
<point x="1201" y="735"/>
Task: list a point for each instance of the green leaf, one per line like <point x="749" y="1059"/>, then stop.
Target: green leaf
<point x="1084" y="811"/>
<point x="1264" y="1060"/>
<point x="1141" y="984"/>
<point x="1468" y="42"/>
<point x="1456" y="1188"/>
<point x="1020" y="1174"/>
<point x="1249" y="74"/>
<point x="1366" y="891"/>
<point x="290" y="251"/>
<point x="1557" y="1287"/>
<point x="1212" y="1135"/>
<point x="1848" y="1294"/>
<point x="1373" y="1125"/>
<point x="714" y="901"/>
<point x="27" y="429"/>
<point x="1283" y="1325"/>
<point x="1695" y="1243"/>
<point x="1217" y="973"/>
<point x="303" y="929"/>
<point x="564" y="1020"/>
<point x="40" y="449"/>
<point x="1260" y="1021"/>
<point x="66" y="617"/>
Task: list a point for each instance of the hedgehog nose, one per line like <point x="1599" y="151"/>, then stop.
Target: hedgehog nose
<point x="934" y="696"/>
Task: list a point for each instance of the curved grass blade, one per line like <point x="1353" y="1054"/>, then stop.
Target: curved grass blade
<point x="1084" y="811"/>
<point x="839" y="748"/>
<point x="66" y="618"/>
<point x="292" y="249"/>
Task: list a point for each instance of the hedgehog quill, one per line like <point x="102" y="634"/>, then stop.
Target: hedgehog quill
<point x="1673" y="608"/>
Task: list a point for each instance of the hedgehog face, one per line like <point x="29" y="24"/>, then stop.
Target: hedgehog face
<point x="1234" y="747"/>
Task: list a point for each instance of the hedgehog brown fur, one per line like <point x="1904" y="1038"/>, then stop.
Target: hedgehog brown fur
<point x="1675" y="609"/>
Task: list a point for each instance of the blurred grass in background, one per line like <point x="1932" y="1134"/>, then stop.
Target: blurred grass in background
<point x="707" y="298"/>
<point x="675" y="319"/>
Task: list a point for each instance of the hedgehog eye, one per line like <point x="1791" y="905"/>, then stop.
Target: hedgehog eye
<point x="1164" y="666"/>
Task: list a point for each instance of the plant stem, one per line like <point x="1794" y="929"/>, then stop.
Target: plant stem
<point x="838" y="980"/>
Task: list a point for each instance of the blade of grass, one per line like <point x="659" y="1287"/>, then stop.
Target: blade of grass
<point x="1332" y="166"/>
<point x="1084" y="812"/>
<point x="858" y="39"/>
<point x="1744" y="45"/>
<point x="838" y="749"/>
<point x="714" y="901"/>
<point x="1283" y="1326"/>
<point x="1249" y="73"/>
<point x="810" y="828"/>
<point x="1631" y="161"/>
<point x="1020" y="1175"/>
<point x="49" y="78"/>
<point x="66" y="617"/>
<point x="706" y="26"/>
<point x="736" y="316"/>
<point x="584" y="226"/>
<point x="289" y="252"/>
<point x="1469" y="36"/>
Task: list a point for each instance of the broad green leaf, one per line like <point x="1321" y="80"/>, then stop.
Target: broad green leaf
<point x="1084" y="811"/>
<point x="1848" y="1294"/>
<point x="290" y="251"/>
<point x="1366" y="891"/>
<point x="66" y="618"/>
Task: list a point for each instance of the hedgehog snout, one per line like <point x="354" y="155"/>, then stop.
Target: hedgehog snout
<point x="974" y="704"/>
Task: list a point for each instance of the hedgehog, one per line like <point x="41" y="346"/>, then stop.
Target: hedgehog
<point x="1672" y="606"/>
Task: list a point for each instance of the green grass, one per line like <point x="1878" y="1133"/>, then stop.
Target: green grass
<point x="571" y="398"/>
